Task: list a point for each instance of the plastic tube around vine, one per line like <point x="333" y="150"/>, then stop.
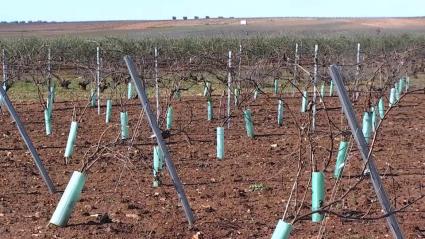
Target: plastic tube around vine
<point x="210" y="110"/>
<point x="49" y="105"/>
<point x="108" y="110"/>
<point x="407" y="83"/>
<point x="71" y="140"/>
<point x="255" y="93"/>
<point x="276" y="86"/>
<point x="53" y="92"/>
<point x="237" y="94"/>
<point x="249" y="126"/>
<point x="397" y="90"/>
<point x="158" y="158"/>
<point x="381" y="108"/>
<point x="322" y="91"/>
<point x="280" y="113"/>
<point x="397" y="94"/>
<point x="129" y="91"/>
<point x="47" y="122"/>
<point x="220" y="143"/>
<point x="304" y="102"/>
<point x="158" y="161"/>
<point x="68" y="200"/>
<point x="340" y="159"/>
<point x="392" y="97"/>
<point x="282" y="230"/>
<point x="367" y="125"/>
<point x="373" y="117"/>
<point x="124" y="125"/>
<point x="169" y="117"/>
<point x="318" y="195"/>
<point x="331" y="89"/>
<point x="401" y="85"/>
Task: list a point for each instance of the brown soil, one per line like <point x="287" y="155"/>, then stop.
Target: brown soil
<point x="107" y="28"/>
<point x="220" y="192"/>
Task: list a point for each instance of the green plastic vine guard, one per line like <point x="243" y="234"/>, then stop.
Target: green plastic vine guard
<point x="49" y="105"/>
<point x="280" y="113"/>
<point x="276" y="86"/>
<point x="373" y="112"/>
<point x="72" y="137"/>
<point x="69" y="198"/>
<point x="237" y="94"/>
<point x="255" y="94"/>
<point x="367" y="126"/>
<point x="407" y="83"/>
<point x="322" y="91"/>
<point x="220" y="143"/>
<point x="169" y="118"/>
<point x="318" y="195"/>
<point x="392" y="97"/>
<point x="158" y="158"/>
<point x="210" y="110"/>
<point x="381" y="108"/>
<point x="340" y="159"/>
<point x="397" y="92"/>
<point x="248" y="123"/>
<point x="401" y="85"/>
<point x="331" y="89"/>
<point x="108" y="111"/>
<point x="304" y="102"/>
<point x="53" y="92"/>
<point x="47" y="122"/>
<point x="158" y="163"/>
<point x="124" y="125"/>
<point x="129" y="91"/>
<point x="282" y="230"/>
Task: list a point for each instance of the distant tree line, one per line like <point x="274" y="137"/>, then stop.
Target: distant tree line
<point x="25" y="22"/>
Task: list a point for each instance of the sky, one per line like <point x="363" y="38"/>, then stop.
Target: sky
<point x="96" y="10"/>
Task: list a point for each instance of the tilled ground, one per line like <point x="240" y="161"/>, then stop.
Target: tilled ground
<point x="241" y="196"/>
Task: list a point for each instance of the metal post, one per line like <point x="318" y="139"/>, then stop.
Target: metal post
<point x="239" y="66"/>
<point x="98" y="78"/>
<point x="313" y="120"/>
<point x="154" y="125"/>
<point x="356" y="91"/>
<point x="229" y="86"/>
<point x="158" y="110"/>
<point x="4" y="65"/>
<point x="49" y="72"/>
<point x="364" y="151"/>
<point x="4" y="68"/>
<point x="240" y="61"/>
<point x="295" y="69"/>
<point x="28" y="141"/>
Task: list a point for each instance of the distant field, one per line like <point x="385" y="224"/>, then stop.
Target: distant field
<point x="219" y="27"/>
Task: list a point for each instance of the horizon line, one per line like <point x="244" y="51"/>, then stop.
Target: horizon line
<point x="203" y="18"/>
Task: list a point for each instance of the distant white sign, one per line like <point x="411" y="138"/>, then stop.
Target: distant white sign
<point x="243" y="22"/>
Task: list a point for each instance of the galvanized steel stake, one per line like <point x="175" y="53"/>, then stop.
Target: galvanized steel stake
<point x="28" y="141"/>
<point x="154" y="125"/>
<point x="364" y="151"/>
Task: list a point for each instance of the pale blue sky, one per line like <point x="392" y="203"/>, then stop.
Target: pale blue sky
<point x="83" y="10"/>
